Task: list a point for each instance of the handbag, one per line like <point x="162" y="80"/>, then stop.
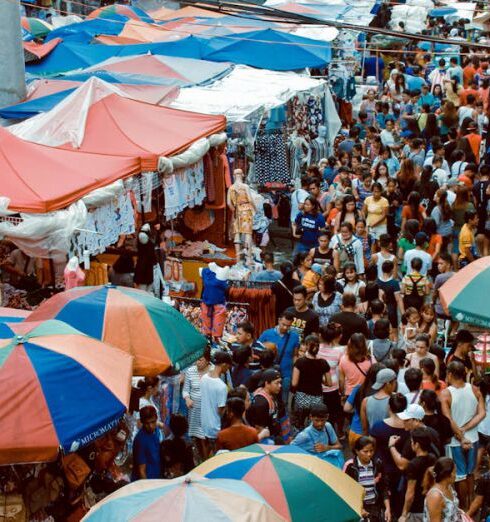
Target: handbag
<point x="75" y="469"/>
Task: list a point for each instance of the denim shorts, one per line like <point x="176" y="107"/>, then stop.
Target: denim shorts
<point x="465" y="460"/>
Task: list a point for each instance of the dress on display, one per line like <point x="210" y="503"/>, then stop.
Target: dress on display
<point x="241" y="200"/>
<point x="143" y="272"/>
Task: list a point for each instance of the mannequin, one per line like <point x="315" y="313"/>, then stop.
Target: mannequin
<point x="143" y="272"/>
<point x="73" y="275"/>
<point x="319" y="146"/>
<point x="240" y="202"/>
<point x="299" y="155"/>
<point x="213" y="304"/>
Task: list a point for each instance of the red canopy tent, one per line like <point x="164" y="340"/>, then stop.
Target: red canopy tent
<point x="123" y="127"/>
<point x="39" y="179"/>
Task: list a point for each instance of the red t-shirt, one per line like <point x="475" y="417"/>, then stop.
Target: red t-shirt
<point x="236" y="437"/>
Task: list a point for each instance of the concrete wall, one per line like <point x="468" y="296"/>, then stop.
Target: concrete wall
<point x="12" y="72"/>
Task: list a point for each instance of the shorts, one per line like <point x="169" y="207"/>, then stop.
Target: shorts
<point x="213" y="318"/>
<point x="378" y="230"/>
<point x="483" y="440"/>
<point x="465" y="460"/>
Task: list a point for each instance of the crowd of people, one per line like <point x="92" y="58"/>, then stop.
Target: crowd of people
<point x="364" y="368"/>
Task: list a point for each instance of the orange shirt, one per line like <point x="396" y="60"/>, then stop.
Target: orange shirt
<point x="428" y="385"/>
<point x="468" y="74"/>
<point x="407" y="213"/>
<point x="463" y="95"/>
<point x="435" y="239"/>
<point x="475" y="141"/>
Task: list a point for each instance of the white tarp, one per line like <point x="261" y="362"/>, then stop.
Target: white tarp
<point x="246" y="91"/>
<point x="65" y="123"/>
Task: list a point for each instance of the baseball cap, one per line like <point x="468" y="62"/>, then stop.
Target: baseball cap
<point x="414" y="411"/>
<point x="383" y="377"/>
<point x="317" y="268"/>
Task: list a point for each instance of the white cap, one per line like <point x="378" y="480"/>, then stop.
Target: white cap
<point x="413" y="411"/>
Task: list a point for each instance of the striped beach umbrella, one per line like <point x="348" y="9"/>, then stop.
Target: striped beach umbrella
<point x="157" y="335"/>
<point x="10" y="315"/>
<point x="36" y="27"/>
<point x="465" y="294"/>
<point x="132" y="12"/>
<point x="184" y="499"/>
<point x="299" y="486"/>
<point x="58" y="389"/>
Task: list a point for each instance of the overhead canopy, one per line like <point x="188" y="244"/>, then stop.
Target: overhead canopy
<point x="245" y="91"/>
<point x="95" y="119"/>
<point x="49" y="94"/>
<point x="265" y="49"/>
<point x="36" y="51"/>
<point x="39" y="179"/>
<point x="268" y="49"/>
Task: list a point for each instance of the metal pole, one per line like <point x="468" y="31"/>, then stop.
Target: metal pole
<point x="12" y="71"/>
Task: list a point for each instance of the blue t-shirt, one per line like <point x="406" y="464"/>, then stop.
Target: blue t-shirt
<point x="310" y="436"/>
<point x="414" y="82"/>
<point x="311" y="226"/>
<point x="213" y="289"/>
<point x="146" y="450"/>
<point x="267" y="276"/>
<point x="428" y="98"/>
<point x="292" y="342"/>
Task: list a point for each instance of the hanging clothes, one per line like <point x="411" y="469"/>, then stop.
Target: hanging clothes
<point x="261" y="312"/>
<point x="271" y="158"/>
<point x="219" y="163"/>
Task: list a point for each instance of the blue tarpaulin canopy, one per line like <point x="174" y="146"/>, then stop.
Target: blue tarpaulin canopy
<point x="84" y="32"/>
<point x="288" y="53"/>
<point x="32" y="107"/>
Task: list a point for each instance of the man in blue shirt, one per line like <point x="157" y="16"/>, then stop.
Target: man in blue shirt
<point x="319" y="438"/>
<point x="287" y="342"/>
<point x="426" y="97"/>
<point x="146" y="447"/>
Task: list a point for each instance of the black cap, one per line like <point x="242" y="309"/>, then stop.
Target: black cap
<point x="270" y="375"/>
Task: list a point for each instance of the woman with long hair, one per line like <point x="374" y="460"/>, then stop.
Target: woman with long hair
<point x="354" y="364"/>
<point x="302" y="263"/>
<point x="461" y="205"/>
<point x="354" y="399"/>
<point x="441" y="502"/>
<point x="307" y="225"/>
<point x="413" y="209"/>
<point x="349" y="212"/>
<point x="431" y="128"/>
<point x="426" y="186"/>
<point x="448" y="118"/>
<point x="283" y="289"/>
<point x="407" y="239"/>
<point x="407" y="176"/>
<point x="381" y="174"/>
<point x="453" y="91"/>
<point x="442" y="214"/>
<point x="327" y="301"/>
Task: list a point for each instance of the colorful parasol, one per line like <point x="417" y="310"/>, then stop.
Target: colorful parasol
<point x="465" y="295"/>
<point x="58" y="388"/>
<point x="36" y="27"/>
<point x="188" y="498"/>
<point x="286" y="476"/>
<point x="10" y="315"/>
<point x="157" y="335"/>
<point x="135" y="13"/>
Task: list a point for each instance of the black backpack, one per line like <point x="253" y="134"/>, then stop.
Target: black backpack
<point x="414" y="298"/>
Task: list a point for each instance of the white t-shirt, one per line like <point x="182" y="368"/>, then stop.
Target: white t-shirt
<point x="424" y="256"/>
<point x="440" y="175"/>
<point x="298" y="197"/>
<point x="213" y="396"/>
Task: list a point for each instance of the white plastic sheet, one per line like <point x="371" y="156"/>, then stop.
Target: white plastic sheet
<point x="245" y="91"/>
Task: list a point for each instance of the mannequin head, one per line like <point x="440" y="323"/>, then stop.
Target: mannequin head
<point x="322" y="133"/>
<point x="72" y="263"/>
<point x="238" y="175"/>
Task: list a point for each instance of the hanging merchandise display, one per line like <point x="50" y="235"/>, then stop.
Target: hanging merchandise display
<point x="103" y="226"/>
<point x="306" y="113"/>
<point x="184" y="188"/>
<point x="271" y="157"/>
